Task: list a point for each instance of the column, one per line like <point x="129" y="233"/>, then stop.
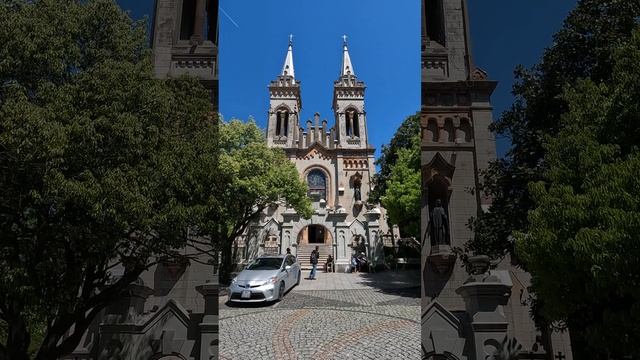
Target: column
<point x="208" y="327"/>
<point x="198" y="24"/>
<point x="485" y="294"/>
<point x="342" y="255"/>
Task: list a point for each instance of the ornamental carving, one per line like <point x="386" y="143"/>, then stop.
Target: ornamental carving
<point x="355" y="164"/>
<point x="315" y="154"/>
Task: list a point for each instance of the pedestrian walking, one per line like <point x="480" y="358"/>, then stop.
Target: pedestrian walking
<point x="315" y="254"/>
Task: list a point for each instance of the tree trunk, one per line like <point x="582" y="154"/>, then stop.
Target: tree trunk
<point x="579" y="345"/>
<point x="18" y="340"/>
<point x="226" y="266"/>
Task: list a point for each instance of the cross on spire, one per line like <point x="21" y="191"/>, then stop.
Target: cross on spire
<point x="287" y="68"/>
<point x="347" y="67"/>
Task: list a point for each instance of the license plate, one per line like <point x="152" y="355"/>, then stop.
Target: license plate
<point x="246" y="294"/>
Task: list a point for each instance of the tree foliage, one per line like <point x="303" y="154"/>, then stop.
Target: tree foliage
<point x="402" y="197"/>
<point x="583" y="48"/>
<point x="250" y="178"/>
<point x="402" y="139"/>
<point x="397" y="183"/>
<point x="586" y="219"/>
<point x="93" y="150"/>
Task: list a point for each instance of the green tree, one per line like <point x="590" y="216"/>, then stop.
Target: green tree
<point x="402" y="139"/>
<point x="93" y="151"/>
<point x="582" y="48"/>
<point x="402" y="197"/>
<point x="586" y="219"/>
<point x="397" y="183"/>
<point x="250" y="178"/>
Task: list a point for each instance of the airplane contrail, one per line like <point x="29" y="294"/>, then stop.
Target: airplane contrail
<point x="228" y="17"/>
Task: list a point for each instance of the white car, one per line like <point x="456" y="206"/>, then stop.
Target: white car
<point x="266" y="278"/>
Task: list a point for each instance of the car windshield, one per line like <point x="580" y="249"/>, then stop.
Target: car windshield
<point x="265" y="264"/>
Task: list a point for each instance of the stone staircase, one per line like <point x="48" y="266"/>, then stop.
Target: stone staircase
<point x="304" y="253"/>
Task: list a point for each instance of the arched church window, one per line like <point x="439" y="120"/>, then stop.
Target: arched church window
<point x="432" y="130"/>
<point x="317" y="183"/>
<point x="199" y="20"/>
<point x="435" y="21"/>
<point x="187" y="21"/>
<point x="282" y="123"/>
<point x="353" y="124"/>
<point x="467" y="132"/>
<point x="450" y="131"/>
<point x="212" y="20"/>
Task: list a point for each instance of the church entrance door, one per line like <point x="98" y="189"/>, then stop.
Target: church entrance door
<point x="310" y="237"/>
<point x="314" y="235"/>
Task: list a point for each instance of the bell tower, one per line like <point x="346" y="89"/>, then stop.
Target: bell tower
<point x="456" y="146"/>
<point x="185" y="41"/>
<point x="445" y="41"/>
<point x="348" y="105"/>
<point x="456" y="142"/>
<point x="285" y="104"/>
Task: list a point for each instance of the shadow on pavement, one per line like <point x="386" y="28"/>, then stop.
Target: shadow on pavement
<point x="404" y="283"/>
<point x="252" y="305"/>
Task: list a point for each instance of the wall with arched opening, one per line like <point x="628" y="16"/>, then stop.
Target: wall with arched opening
<point x="315" y="234"/>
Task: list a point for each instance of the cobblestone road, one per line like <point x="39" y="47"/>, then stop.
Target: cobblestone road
<point x="338" y="316"/>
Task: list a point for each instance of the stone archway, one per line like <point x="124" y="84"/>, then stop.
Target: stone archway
<point x="315" y="234"/>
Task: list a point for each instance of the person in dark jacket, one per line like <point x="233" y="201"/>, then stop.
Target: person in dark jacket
<point x="315" y="254"/>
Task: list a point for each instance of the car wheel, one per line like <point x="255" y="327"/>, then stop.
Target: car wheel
<point x="298" y="279"/>
<point x="281" y="291"/>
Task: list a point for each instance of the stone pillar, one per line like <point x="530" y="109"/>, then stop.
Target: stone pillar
<point x="283" y="119"/>
<point x="300" y="138"/>
<point x="341" y="248"/>
<point x="208" y="327"/>
<point x="316" y="129"/>
<point x="485" y="294"/>
<point x="288" y="239"/>
<point x="375" y="248"/>
<point x="198" y="24"/>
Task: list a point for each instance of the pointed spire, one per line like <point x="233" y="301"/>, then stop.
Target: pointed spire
<point x="287" y="68"/>
<point x="347" y="67"/>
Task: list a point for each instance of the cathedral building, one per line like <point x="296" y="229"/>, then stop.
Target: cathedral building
<point x="337" y="163"/>
<point x="171" y="311"/>
<point x="464" y="316"/>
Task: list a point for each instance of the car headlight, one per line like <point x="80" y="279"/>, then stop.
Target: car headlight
<point x="271" y="280"/>
<point x="234" y="280"/>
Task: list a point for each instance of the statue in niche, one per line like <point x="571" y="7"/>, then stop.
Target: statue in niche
<point x="357" y="194"/>
<point x="439" y="225"/>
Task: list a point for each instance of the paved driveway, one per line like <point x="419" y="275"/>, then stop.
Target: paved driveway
<point x="338" y="316"/>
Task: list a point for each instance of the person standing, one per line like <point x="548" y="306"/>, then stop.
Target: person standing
<point x="315" y="254"/>
<point x="328" y="266"/>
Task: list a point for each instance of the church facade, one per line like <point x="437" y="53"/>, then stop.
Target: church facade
<point x="171" y="311"/>
<point x="337" y="164"/>
<point x="464" y="316"/>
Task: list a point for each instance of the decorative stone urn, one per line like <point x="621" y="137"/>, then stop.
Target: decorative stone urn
<point x="442" y="258"/>
<point x="479" y="264"/>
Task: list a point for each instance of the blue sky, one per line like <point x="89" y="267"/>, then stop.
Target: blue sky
<point x="384" y="46"/>
<point x="506" y="33"/>
<point x="383" y="38"/>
